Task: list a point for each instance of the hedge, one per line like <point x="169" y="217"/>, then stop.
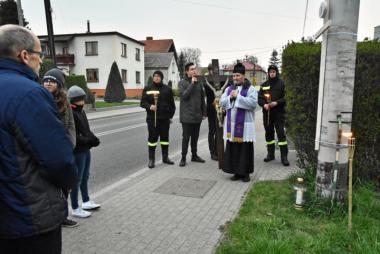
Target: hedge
<point x="300" y="71"/>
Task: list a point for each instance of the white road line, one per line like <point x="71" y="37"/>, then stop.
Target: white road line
<point x="134" y="175"/>
<point x="104" y="133"/>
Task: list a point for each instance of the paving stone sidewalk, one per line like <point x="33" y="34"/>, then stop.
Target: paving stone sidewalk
<point x="137" y="218"/>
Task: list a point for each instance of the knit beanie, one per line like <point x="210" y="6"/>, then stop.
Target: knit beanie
<point x="75" y="93"/>
<point x="160" y="74"/>
<point x="55" y="75"/>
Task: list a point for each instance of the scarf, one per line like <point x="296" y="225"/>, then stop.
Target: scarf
<point x="240" y="118"/>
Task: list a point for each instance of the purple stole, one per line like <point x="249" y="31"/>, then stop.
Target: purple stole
<point x="240" y="118"/>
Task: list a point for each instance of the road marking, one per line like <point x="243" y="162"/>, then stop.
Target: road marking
<point x="136" y="174"/>
<point x="104" y="133"/>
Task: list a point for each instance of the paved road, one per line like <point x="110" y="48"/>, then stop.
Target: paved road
<point x="123" y="149"/>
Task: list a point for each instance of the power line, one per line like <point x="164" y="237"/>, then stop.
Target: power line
<point x="238" y="50"/>
<point x="235" y="9"/>
<point x="254" y="53"/>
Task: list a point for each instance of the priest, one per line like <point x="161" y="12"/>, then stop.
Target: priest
<point x="239" y="100"/>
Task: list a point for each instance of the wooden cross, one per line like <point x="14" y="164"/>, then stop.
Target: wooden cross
<point x="220" y="83"/>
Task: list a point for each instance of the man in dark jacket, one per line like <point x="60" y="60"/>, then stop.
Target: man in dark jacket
<point x="212" y="120"/>
<point x="192" y="112"/>
<point x="36" y="157"/>
<point x="272" y="100"/>
<point x="163" y="112"/>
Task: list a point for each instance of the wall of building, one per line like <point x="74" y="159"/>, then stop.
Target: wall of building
<point x="377" y="33"/>
<point x="173" y="74"/>
<point x="109" y="50"/>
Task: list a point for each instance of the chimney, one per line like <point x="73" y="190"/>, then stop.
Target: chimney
<point x="149" y="38"/>
<point x="88" y="26"/>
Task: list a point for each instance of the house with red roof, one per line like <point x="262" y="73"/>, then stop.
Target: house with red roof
<point x="253" y="72"/>
<point x="161" y="55"/>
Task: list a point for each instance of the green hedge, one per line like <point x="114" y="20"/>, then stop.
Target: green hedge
<point x="80" y="80"/>
<point x="47" y="64"/>
<point x="300" y="71"/>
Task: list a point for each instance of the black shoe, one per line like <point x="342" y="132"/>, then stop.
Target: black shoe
<point x="246" y="179"/>
<point x="151" y="163"/>
<point x="196" y="158"/>
<point x="67" y="223"/>
<point x="285" y="161"/>
<point x="235" y="178"/>
<point x="214" y="157"/>
<point x="182" y="163"/>
<point x="270" y="157"/>
<point x="166" y="160"/>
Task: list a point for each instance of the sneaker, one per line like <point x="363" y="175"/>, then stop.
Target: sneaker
<point x="90" y="205"/>
<point x="80" y="213"/>
<point x="67" y="223"/>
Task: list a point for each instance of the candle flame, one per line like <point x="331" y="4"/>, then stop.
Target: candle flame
<point x="347" y="134"/>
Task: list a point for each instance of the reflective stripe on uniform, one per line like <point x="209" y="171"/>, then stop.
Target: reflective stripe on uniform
<point x="271" y="142"/>
<point x="282" y="143"/>
<point x="152" y="144"/>
<point x="264" y="88"/>
<point x="164" y="143"/>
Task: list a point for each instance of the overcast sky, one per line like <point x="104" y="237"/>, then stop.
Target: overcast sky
<point x="222" y="29"/>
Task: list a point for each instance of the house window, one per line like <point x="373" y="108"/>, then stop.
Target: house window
<point x="124" y="76"/>
<point x="123" y="50"/>
<point x="138" y="78"/>
<point x="65" y="51"/>
<point x="91" y="48"/>
<point x="137" y="54"/>
<point x="92" y="75"/>
<point x="45" y="49"/>
<point x="173" y="71"/>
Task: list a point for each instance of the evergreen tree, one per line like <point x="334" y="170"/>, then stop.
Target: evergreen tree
<point x="181" y="64"/>
<point x="274" y="60"/>
<point x="115" y="89"/>
<point x="8" y="13"/>
<point x="150" y="80"/>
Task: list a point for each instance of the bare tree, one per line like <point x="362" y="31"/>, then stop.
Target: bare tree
<point x="192" y="55"/>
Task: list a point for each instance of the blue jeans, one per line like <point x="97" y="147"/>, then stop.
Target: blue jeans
<point x="82" y="161"/>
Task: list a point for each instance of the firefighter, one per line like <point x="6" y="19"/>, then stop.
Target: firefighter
<point x="158" y="116"/>
<point x="272" y="100"/>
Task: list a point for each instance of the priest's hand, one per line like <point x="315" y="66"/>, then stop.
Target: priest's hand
<point x="233" y="94"/>
<point x="266" y="106"/>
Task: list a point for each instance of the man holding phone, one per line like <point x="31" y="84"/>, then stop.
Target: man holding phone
<point x="192" y="112"/>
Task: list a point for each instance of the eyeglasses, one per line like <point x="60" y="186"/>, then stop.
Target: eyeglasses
<point x="41" y="54"/>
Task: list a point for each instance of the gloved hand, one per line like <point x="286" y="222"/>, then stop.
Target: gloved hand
<point x="94" y="141"/>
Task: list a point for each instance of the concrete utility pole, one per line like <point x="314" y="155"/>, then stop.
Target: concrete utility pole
<point x="336" y="89"/>
<point x="49" y="24"/>
<point x="20" y="13"/>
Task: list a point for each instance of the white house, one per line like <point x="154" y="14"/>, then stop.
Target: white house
<point x="164" y="62"/>
<point x="92" y="54"/>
